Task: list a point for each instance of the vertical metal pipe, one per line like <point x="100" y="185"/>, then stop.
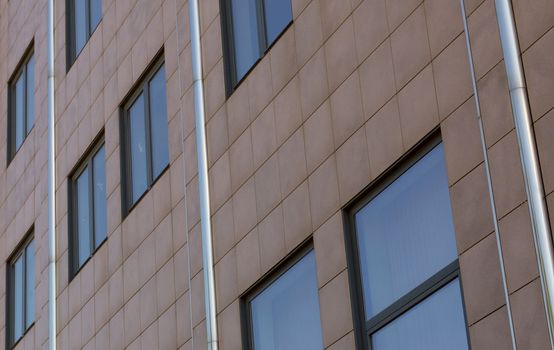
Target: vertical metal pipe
<point x="203" y="184"/>
<point x="51" y="185"/>
<point x="488" y="175"/>
<point x="529" y="156"/>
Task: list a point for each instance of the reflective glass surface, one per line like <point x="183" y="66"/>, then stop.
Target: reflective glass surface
<point x="83" y="216"/>
<point x="18" y="299"/>
<point x="80" y="18"/>
<point x="405" y="234"/>
<point x="99" y="185"/>
<point x="245" y="35"/>
<point x="158" y="123"/>
<point x="30" y="284"/>
<point x="19" y="111"/>
<point x="436" y="323"/>
<point x="278" y="14"/>
<point x="139" y="168"/>
<point x="30" y="70"/>
<point x="95" y="14"/>
<point x="285" y="316"/>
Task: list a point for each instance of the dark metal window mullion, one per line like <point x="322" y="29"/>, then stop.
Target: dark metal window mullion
<point x="417" y="295"/>
<point x="87" y="12"/>
<point x="72" y="31"/>
<point x="355" y="281"/>
<point x="147" y="131"/>
<point x="231" y="42"/>
<point x="262" y="33"/>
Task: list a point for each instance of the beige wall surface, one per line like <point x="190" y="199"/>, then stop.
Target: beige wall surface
<point x="348" y="89"/>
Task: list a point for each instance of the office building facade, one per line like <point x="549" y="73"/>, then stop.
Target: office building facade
<point x="349" y="194"/>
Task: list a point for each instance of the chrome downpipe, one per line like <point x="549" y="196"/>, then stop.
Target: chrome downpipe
<point x="529" y="155"/>
<point x="203" y="183"/>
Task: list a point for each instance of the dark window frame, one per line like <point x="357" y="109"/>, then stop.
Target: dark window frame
<point x="277" y="271"/>
<point x="86" y="162"/>
<point x="18" y="252"/>
<point x="140" y="87"/>
<point x="231" y="82"/>
<point x="21" y="69"/>
<point x="71" y="37"/>
<point x="364" y="329"/>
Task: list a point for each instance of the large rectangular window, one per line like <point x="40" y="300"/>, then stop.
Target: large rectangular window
<point x="406" y="260"/>
<point x="83" y="16"/>
<point x="251" y="27"/>
<point x="21" y="104"/>
<point x="87" y="195"/>
<point x="21" y="292"/>
<point x="145" y="151"/>
<point x="284" y="313"/>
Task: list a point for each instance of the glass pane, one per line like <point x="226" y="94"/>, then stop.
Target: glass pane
<point x="245" y="35"/>
<point x="19" y="111"/>
<point x="436" y="323"/>
<point x="158" y="120"/>
<point x="18" y="308"/>
<point x="30" y="93"/>
<point x="138" y="148"/>
<point x="405" y="234"/>
<point x="95" y="14"/>
<point x="285" y="316"/>
<point x="99" y="171"/>
<point x="80" y="25"/>
<point x="278" y="14"/>
<point x="83" y="216"/>
<point x="30" y="284"/>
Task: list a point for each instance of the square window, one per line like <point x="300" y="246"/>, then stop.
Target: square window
<point x="145" y="151"/>
<point x="21" y="292"/>
<point x="407" y="261"/>
<point x="87" y="195"/>
<point x="21" y="98"/>
<point x="251" y="27"/>
<point x="82" y="19"/>
<point x="284" y="314"/>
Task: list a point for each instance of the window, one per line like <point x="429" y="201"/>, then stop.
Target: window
<point x="252" y="26"/>
<point x="84" y="16"/>
<point x="284" y="314"/>
<point x="144" y="131"/>
<point x="406" y="263"/>
<point x="21" y="292"/>
<point x="87" y="195"/>
<point x="21" y="104"/>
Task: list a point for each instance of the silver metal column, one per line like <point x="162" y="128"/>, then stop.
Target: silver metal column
<point x="529" y="156"/>
<point x="203" y="184"/>
<point x="51" y="185"/>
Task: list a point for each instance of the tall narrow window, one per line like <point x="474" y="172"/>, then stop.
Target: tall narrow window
<point x="144" y="131"/>
<point x="408" y="263"/>
<point x="251" y="26"/>
<point x="21" y="292"/>
<point x="83" y="18"/>
<point x="21" y="105"/>
<point x="284" y="314"/>
<point x="88" y="229"/>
